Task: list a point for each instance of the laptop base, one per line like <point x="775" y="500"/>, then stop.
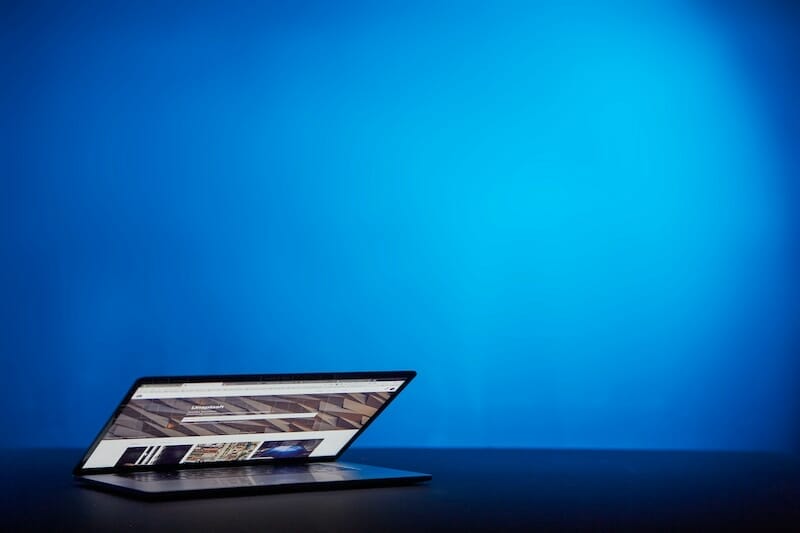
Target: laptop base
<point x="213" y="481"/>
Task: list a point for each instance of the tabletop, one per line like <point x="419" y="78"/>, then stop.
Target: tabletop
<point x="472" y="489"/>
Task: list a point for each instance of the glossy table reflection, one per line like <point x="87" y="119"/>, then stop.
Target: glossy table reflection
<point x="472" y="489"/>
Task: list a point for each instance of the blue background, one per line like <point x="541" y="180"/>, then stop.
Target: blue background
<point x="577" y="221"/>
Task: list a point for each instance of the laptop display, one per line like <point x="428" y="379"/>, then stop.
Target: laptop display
<point x="190" y="423"/>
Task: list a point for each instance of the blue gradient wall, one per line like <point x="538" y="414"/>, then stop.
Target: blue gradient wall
<point x="576" y="222"/>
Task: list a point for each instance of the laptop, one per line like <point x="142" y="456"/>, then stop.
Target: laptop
<point x="174" y="436"/>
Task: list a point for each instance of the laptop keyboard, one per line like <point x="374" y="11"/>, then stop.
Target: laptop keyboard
<point x="237" y="471"/>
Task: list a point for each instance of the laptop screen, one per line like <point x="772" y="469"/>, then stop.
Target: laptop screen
<point x="189" y="423"/>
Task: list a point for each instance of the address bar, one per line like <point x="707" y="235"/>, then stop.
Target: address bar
<point x="222" y="390"/>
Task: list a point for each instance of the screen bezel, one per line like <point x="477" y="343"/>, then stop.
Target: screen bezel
<point x="405" y="375"/>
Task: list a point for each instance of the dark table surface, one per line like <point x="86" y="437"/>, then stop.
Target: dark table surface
<point x="472" y="489"/>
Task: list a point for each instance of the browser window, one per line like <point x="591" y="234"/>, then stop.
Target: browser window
<point x="189" y="423"/>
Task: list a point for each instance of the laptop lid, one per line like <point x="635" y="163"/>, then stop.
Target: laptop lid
<point x="201" y="421"/>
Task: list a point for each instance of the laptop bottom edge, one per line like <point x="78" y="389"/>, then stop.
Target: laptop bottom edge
<point x="250" y="481"/>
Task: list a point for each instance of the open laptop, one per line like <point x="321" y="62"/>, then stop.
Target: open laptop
<point x="173" y="436"/>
